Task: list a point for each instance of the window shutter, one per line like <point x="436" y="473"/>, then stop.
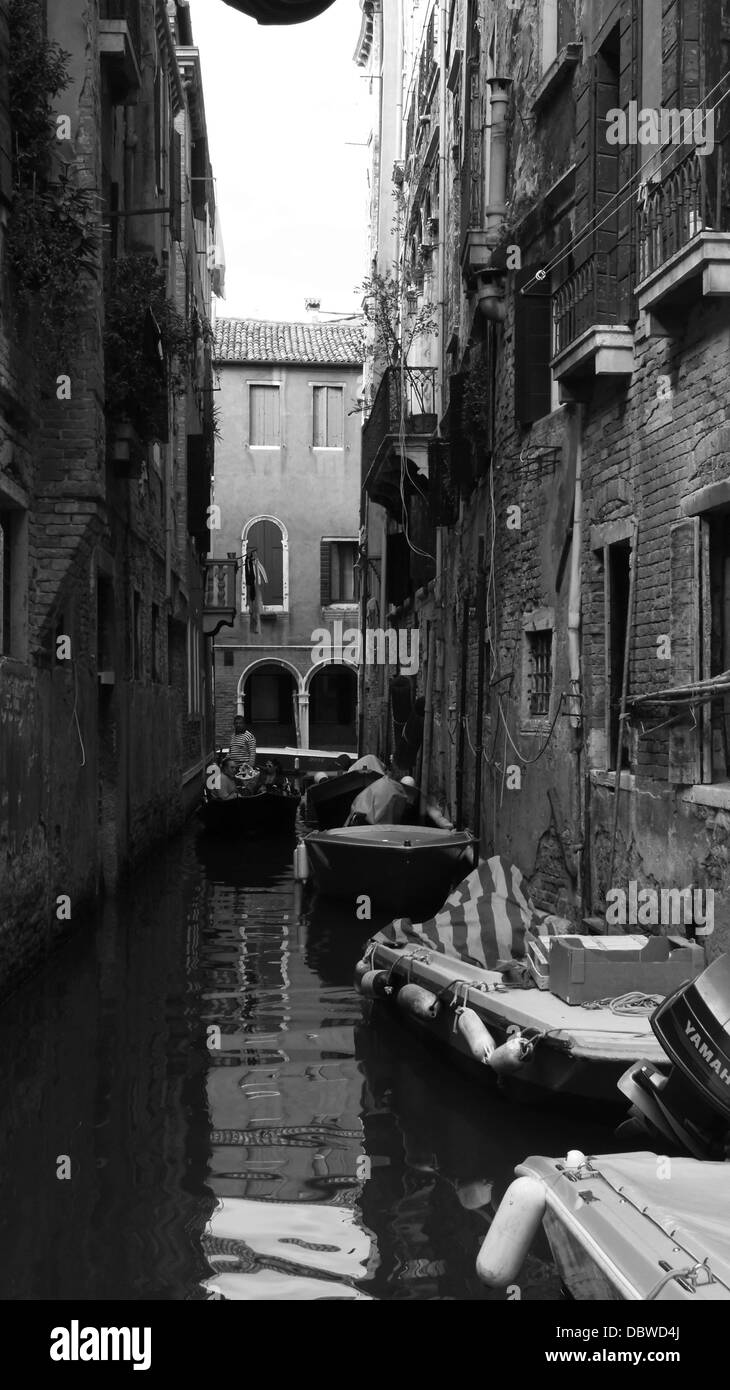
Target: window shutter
<point x="334" y="416"/>
<point x="533" y="346"/>
<point x="325" y="572"/>
<point x="684" y="588"/>
<point x="319" y="438"/>
<point x="175" y="186"/>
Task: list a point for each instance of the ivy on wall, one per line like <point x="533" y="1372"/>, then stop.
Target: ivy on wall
<point x="149" y="347"/>
<point x="51" y="239"/>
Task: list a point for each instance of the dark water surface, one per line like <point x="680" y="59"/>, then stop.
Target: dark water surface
<point x="307" y="1157"/>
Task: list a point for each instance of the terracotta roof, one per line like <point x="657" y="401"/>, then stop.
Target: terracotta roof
<point x="258" y="340"/>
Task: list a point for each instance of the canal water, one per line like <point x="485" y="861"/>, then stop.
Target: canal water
<point x="194" y="1109"/>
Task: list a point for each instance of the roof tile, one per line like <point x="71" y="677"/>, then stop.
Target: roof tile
<point x="260" y="340"/>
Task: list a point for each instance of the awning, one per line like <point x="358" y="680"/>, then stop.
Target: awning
<point x="280" y="11"/>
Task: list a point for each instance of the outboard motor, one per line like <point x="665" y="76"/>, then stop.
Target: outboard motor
<point x="689" y="1104"/>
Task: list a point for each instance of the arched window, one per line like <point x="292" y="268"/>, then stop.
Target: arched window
<point x="268" y="537"/>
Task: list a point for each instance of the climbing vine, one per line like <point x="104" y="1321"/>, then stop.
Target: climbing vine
<point x="51" y="239"/>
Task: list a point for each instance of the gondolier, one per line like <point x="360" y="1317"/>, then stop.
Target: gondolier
<point x="242" y="751"/>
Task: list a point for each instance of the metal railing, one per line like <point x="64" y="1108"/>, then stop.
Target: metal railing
<point x="691" y="198"/>
<point x="406" y="395"/>
<point x="587" y="297"/>
<point x="127" y="10"/>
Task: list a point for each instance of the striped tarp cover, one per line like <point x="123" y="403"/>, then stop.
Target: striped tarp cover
<point x="483" y="921"/>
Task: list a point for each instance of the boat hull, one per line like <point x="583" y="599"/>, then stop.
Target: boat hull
<point x="265" y="813"/>
<point x="618" y="1232"/>
<point x="405" y="870"/>
<point x="582" y="1058"/>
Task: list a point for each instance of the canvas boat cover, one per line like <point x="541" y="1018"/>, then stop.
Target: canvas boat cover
<point x="692" y="1206"/>
<point x="485" y="920"/>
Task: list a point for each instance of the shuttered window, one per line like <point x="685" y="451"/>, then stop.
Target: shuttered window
<point x="338" y="572"/>
<point x="685" y="635"/>
<point x="264" y="419"/>
<point x="176" y="186"/>
<point x="328" y="415"/>
<point x="533" y="346"/>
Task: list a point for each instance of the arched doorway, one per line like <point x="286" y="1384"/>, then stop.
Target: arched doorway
<point x="333" y="707"/>
<point x="269" y="690"/>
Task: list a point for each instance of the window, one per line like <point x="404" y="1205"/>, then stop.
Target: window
<point x="616" y="576"/>
<point x="265" y="540"/>
<point x="193" y="669"/>
<point x="264" y="418"/>
<point x="539" y="667"/>
<point x="136" y="637"/>
<point x="339" y="573"/>
<point x="6" y="593"/>
<point x="328" y="417"/>
<point x="227" y="656"/>
<point x="558" y="29"/>
<point x="154" y="642"/>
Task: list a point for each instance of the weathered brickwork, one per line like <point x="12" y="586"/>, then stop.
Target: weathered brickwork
<point x="103" y="744"/>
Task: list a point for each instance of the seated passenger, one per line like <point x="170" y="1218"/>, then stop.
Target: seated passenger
<point x="226" y="790"/>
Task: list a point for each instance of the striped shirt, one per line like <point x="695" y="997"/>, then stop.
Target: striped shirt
<point x="243" y="749"/>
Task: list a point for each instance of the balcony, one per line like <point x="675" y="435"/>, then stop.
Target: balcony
<point x="120" y="47"/>
<point x="402" y="418"/>
<point x="683" y="237"/>
<point x="589" y="342"/>
<point x="219" y="594"/>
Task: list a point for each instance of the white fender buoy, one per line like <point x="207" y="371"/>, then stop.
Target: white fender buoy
<point x="373" y="984"/>
<point x="511" y="1233"/>
<point x="511" y="1055"/>
<point x="478" y="1039"/>
<point x="301" y="863"/>
<point x="418" y="1002"/>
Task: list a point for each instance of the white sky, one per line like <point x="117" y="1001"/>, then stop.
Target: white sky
<point x="281" y="105"/>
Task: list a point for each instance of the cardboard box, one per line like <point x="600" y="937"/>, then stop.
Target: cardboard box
<point x="586" y="968"/>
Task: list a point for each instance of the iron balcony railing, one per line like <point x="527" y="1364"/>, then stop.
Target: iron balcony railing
<point x="127" y="10"/>
<point x="405" y="399"/>
<point x="587" y="297"/>
<point x="693" y="197"/>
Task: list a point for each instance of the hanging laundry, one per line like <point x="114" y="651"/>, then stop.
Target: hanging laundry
<point x="255" y="576"/>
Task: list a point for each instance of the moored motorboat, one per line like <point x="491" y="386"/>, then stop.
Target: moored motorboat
<point x="399" y="868"/>
<point x="620" y="1227"/>
<point x="488" y="1022"/>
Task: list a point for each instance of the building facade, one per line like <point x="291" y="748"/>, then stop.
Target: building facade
<point x="287" y="486"/>
<point x="563" y="179"/>
<point x="108" y="222"/>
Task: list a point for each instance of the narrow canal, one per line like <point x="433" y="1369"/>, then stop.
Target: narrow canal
<point x="294" y="1154"/>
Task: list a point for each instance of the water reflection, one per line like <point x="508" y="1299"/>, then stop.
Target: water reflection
<point x="234" y="1130"/>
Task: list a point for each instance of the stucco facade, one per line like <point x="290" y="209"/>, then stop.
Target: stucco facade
<point x="307" y="493"/>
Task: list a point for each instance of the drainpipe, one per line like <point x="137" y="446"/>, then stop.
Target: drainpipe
<point x="364" y="594"/>
<point x="490" y="294"/>
<point x="441" y="252"/>
<point x="577" y="722"/>
<point x="499" y="90"/>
